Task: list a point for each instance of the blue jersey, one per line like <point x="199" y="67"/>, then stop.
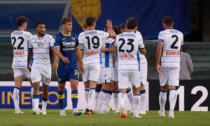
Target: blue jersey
<point x="68" y="45"/>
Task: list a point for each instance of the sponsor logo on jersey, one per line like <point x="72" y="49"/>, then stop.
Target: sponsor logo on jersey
<point x="123" y="56"/>
<point x="173" y="53"/>
<point x="19" y="53"/>
<point x="92" y="53"/>
<point x="69" y="44"/>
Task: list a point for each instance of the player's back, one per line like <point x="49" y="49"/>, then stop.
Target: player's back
<point x="19" y="40"/>
<point x="92" y="41"/>
<point x="128" y="44"/>
<point x="172" y="40"/>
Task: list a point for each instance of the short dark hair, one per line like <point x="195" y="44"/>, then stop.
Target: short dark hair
<point x="90" y="21"/>
<point x="167" y="20"/>
<point x="40" y="22"/>
<point x="131" y="23"/>
<point x="123" y="26"/>
<point x="84" y="26"/>
<point x="21" y="20"/>
<point x="66" y="19"/>
<point x="116" y="30"/>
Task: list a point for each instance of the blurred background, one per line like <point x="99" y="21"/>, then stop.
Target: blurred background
<point x="190" y="17"/>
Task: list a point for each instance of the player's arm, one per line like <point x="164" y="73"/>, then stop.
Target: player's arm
<point x="56" y="50"/>
<point x="104" y="49"/>
<point x="110" y="29"/>
<point x="79" y="59"/>
<point x="143" y="51"/>
<point x="158" y="56"/>
<point x="30" y="52"/>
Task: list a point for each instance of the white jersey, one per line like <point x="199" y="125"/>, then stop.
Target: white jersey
<point x="92" y="41"/>
<point x="128" y="45"/>
<point x="142" y="57"/>
<point x="41" y="50"/>
<point x="172" y="40"/>
<point x="107" y="57"/>
<point x="19" y="41"/>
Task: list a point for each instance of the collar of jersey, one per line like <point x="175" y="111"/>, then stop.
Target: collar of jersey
<point x="65" y="34"/>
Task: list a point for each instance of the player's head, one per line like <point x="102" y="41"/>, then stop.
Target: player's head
<point x="41" y="28"/>
<point x="122" y="27"/>
<point x="132" y="24"/>
<point x="116" y="30"/>
<point x="67" y="24"/>
<point x="22" y="22"/>
<point x="84" y="27"/>
<point x="91" y="22"/>
<point x="167" y="22"/>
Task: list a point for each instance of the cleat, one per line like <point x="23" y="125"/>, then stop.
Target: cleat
<point x="108" y="110"/>
<point x="77" y="113"/>
<point x="136" y="116"/>
<point x="161" y="113"/>
<point x="88" y="112"/>
<point x="117" y="112"/>
<point x="18" y="111"/>
<point x="142" y="113"/>
<point x="36" y="112"/>
<point x="123" y="115"/>
<point x="62" y="112"/>
<point x="171" y="114"/>
<point x="44" y="112"/>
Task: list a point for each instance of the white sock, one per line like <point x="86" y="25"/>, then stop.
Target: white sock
<point x="91" y="96"/>
<point x="115" y="97"/>
<point x="86" y="94"/>
<point x="35" y="103"/>
<point x="16" y="97"/>
<point x="142" y="102"/>
<point x="108" y="99"/>
<point x="32" y="92"/>
<point x="96" y="98"/>
<point x="172" y="99"/>
<point x="44" y="104"/>
<point x="136" y="105"/>
<point x="130" y="97"/>
<point x="162" y="100"/>
<point x="121" y="99"/>
<point x="101" y="100"/>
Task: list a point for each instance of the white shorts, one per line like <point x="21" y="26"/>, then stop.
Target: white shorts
<point x="169" y="76"/>
<point x="22" y="71"/>
<point x="41" y="74"/>
<point x="125" y="78"/>
<point x="105" y="75"/>
<point x="143" y="72"/>
<point x="92" y="73"/>
<point x="116" y="74"/>
<point x="112" y="74"/>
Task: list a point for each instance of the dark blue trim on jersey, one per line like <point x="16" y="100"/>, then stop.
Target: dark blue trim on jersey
<point x="138" y="60"/>
<point x="107" y="57"/>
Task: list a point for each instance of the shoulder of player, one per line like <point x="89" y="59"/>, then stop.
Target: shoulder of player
<point x="81" y="34"/>
<point x="109" y="40"/>
<point x="48" y="36"/>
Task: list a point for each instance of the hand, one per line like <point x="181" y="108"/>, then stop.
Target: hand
<point x="29" y="68"/>
<point x="109" y="24"/>
<point x="159" y="69"/>
<point x="82" y="69"/>
<point x="54" y="66"/>
<point x="65" y="60"/>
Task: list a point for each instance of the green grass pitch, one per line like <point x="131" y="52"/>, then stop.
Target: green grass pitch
<point x="8" y="118"/>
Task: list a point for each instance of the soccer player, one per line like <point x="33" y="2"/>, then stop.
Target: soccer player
<point x="40" y="45"/>
<point x="19" y="39"/>
<point x="128" y="46"/>
<point x="143" y="71"/>
<point x="91" y="41"/>
<point x="68" y="59"/>
<point x="169" y="45"/>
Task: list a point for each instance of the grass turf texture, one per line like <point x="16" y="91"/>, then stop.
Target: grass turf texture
<point x="8" y="118"/>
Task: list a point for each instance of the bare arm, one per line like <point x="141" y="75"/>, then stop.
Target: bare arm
<point x="57" y="52"/>
<point x="104" y="49"/>
<point x="143" y="51"/>
<point x="30" y="52"/>
<point x="110" y="29"/>
<point x="79" y="59"/>
<point x="158" y="56"/>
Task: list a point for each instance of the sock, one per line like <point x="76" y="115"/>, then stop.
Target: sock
<point x="130" y="97"/>
<point x="96" y="98"/>
<point x="16" y="97"/>
<point x="136" y="105"/>
<point x="108" y="99"/>
<point x="115" y="97"/>
<point x="32" y="92"/>
<point x="74" y="99"/>
<point x="35" y="102"/>
<point x="162" y="100"/>
<point x="61" y="97"/>
<point x="101" y="100"/>
<point x="172" y="99"/>
<point x="86" y="94"/>
<point x="121" y="99"/>
<point x="44" y="104"/>
<point x="91" y="96"/>
<point x="142" y="101"/>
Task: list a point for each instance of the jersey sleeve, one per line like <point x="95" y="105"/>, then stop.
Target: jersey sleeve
<point x="182" y="42"/>
<point x="105" y="35"/>
<point x="160" y="38"/>
<point x="57" y="40"/>
<point x="141" y="43"/>
<point x="80" y="39"/>
<point x="52" y="42"/>
<point x="77" y="42"/>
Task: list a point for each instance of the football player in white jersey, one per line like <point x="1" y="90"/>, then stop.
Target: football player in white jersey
<point x="169" y="45"/>
<point x="91" y="41"/>
<point x="143" y="71"/>
<point x="40" y="45"/>
<point x="19" y="39"/>
<point x="128" y="46"/>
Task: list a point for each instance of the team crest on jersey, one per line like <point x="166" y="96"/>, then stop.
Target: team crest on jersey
<point x="73" y="38"/>
<point x="59" y="79"/>
<point x="63" y="39"/>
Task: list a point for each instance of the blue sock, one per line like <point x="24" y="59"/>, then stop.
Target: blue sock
<point x="142" y="92"/>
<point x="61" y="97"/>
<point x="74" y="98"/>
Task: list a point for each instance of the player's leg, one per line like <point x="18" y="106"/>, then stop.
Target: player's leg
<point x="115" y="97"/>
<point x="173" y="82"/>
<point x="87" y="88"/>
<point x="109" y="96"/>
<point x="130" y="97"/>
<point x="45" y="89"/>
<point x="18" y="77"/>
<point x="98" y="92"/>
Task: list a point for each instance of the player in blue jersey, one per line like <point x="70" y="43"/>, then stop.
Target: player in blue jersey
<point x="66" y="63"/>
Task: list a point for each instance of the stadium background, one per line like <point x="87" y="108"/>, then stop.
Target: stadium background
<point x="190" y="17"/>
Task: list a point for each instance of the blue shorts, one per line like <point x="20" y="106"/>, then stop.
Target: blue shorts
<point x="64" y="75"/>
